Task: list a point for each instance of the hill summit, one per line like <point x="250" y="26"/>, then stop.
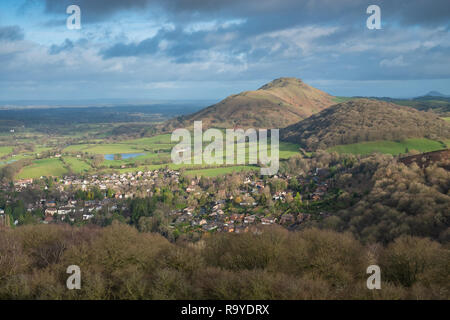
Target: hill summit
<point x="364" y="120"/>
<point x="277" y="104"/>
<point x="436" y="94"/>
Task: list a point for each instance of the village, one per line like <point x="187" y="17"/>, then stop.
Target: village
<point x="200" y="207"/>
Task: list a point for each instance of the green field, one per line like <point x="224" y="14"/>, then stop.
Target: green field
<point x="77" y="165"/>
<point x="156" y="149"/>
<point x="103" y="148"/>
<point x="447" y="119"/>
<point x="343" y="99"/>
<point x="39" y="150"/>
<point x="213" y="172"/>
<point x="288" y="150"/>
<point x="44" y="167"/>
<point x="389" y="147"/>
<point x="160" y="139"/>
<point x="5" y="151"/>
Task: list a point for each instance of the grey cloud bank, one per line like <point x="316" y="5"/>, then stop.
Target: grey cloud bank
<point x="129" y="46"/>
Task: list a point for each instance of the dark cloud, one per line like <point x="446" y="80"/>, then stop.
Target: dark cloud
<point x="96" y="10"/>
<point x="408" y="12"/>
<point x="11" y="33"/>
<point x="179" y="44"/>
<point x="234" y="41"/>
<point x="148" y="46"/>
<point x="67" y="45"/>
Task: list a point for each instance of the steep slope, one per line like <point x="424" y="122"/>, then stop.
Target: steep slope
<point x="426" y="159"/>
<point x="364" y="120"/>
<point x="282" y="102"/>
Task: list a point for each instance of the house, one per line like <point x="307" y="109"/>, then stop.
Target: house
<point x="228" y="228"/>
<point x="51" y="204"/>
<point x="287" y="219"/>
<point x="87" y="216"/>
<point x="250" y="219"/>
<point x="64" y="211"/>
<point x="24" y="182"/>
<point x="268" y="220"/>
<point x="236" y="217"/>
<point x="50" y="211"/>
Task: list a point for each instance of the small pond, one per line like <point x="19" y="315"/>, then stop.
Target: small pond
<point x="124" y="156"/>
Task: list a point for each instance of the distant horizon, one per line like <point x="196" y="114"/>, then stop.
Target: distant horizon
<point x="117" y="102"/>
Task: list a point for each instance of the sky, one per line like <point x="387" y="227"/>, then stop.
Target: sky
<point x="194" y="49"/>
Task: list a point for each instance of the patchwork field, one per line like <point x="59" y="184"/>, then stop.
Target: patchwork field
<point x="44" y="167"/>
<point x="103" y="148"/>
<point x="213" y="172"/>
<point x="77" y="165"/>
<point x="160" y="139"/>
<point x="5" y="151"/>
<point x="156" y="154"/>
<point x="390" y="147"/>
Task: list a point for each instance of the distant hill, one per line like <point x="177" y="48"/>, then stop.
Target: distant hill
<point x="436" y="94"/>
<point x="364" y="120"/>
<point x="437" y="104"/>
<point x="282" y="102"/>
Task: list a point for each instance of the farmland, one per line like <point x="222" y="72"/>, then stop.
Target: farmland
<point x="390" y="147"/>
<point x="155" y="152"/>
<point x="213" y="172"/>
<point x="76" y="165"/>
<point x="5" y="151"/>
<point x="103" y="148"/>
<point x="43" y="167"/>
<point x="125" y="156"/>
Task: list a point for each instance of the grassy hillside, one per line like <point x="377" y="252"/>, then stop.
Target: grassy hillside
<point x="365" y="120"/>
<point x="390" y="147"/>
<point x="5" y="151"/>
<point x="213" y="172"/>
<point x="77" y="165"/>
<point x="277" y="104"/>
<point x="44" y="167"/>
